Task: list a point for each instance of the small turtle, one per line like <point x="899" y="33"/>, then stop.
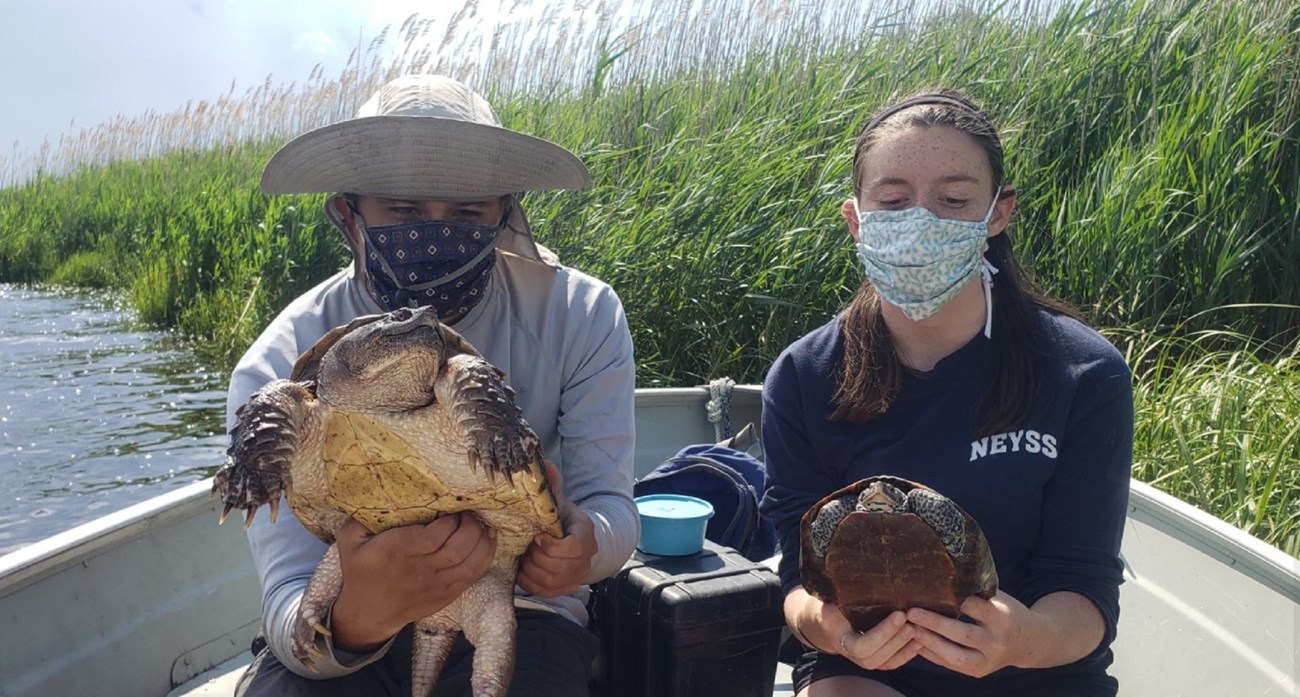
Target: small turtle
<point x="395" y="419"/>
<point x="884" y="543"/>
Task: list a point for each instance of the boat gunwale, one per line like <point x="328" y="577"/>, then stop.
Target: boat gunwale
<point x="48" y="556"/>
<point x="1231" y="545"/>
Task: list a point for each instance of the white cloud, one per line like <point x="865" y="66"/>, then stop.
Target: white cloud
<point x="73" y="64"/>
<point x="317" y="43"/>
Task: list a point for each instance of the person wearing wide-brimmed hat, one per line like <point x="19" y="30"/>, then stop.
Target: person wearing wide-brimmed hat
<point x="428" y="155"/>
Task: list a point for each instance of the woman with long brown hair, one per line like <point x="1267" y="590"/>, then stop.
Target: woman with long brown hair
<point x="949" y="369"/>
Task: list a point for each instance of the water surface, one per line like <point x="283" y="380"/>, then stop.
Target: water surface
<point x="97" y="412"/>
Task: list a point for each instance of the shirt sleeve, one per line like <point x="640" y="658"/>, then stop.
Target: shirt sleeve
<point x="285" y="553"/>
<point x="597" y="431"/>
<point x="795" y="478"/>
<point x="1085" y="502"/>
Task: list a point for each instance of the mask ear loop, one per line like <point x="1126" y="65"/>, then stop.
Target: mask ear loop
<point x="986" y="273"/>
<point x="986" y="278"/>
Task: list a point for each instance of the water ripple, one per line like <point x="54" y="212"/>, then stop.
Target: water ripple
<point x="97" y="412"/>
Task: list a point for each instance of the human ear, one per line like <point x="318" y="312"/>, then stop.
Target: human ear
<point x="849" y="210"/>
<point x="340" y="212"/>
<point x="1002" y="210"/>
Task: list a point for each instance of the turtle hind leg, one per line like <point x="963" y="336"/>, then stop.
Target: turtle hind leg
<point x="322" y="590"/>
<point x="431" y="643"/>
<point x="487" y="613"/>
<point x="941" y="514"/>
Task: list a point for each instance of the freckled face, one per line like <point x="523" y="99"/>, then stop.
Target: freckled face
<point x="937" y="167"/>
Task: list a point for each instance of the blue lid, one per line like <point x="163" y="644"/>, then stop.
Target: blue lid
<point x="674" y="507"/>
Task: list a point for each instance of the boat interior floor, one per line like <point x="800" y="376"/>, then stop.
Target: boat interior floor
<point x="220" y="680"/>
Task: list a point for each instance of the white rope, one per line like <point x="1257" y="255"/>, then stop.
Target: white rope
<point x="718" y="408"/>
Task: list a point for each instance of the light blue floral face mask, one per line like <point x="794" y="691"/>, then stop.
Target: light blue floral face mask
<point x="919" y="261"/>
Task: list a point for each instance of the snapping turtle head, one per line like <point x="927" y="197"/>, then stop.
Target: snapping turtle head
<point x="387" y="363"/>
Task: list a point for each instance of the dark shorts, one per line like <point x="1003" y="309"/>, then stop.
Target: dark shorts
<point x="554" y="658"/>
<point x="1049" y="682"/>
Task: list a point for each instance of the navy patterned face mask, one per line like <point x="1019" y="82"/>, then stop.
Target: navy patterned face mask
<point x="442" y="263"/>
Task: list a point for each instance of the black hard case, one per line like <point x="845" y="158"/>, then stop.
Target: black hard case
<point x="708" y="624"/>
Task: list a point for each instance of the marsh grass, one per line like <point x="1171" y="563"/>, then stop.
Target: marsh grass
<point x="1153" y="144"/>
<point x="1220" y="428"/>
<point x="93" y="269"/>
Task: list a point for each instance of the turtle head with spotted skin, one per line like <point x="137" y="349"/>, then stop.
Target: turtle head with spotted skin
<point x="882" y="497"/>
<point x="386" y="362"/>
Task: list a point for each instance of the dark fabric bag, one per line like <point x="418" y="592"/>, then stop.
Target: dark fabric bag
<point x="728" y="478"/>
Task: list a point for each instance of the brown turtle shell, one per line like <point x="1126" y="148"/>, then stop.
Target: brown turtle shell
<point x="878" y="562"/>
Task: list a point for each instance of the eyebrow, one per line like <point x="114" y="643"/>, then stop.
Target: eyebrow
<point x="947" y="179"/>
<point x="420" y="202"/>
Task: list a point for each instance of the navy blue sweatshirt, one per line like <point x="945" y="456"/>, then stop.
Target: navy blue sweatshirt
<point x="1051" y="495"/>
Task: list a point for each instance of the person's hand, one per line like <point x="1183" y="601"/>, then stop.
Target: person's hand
<point x="822" y="626"/>
<point x="1060" y="628"/>
<point x="403" y="574"/>
<point x="1000" y="635"/>
<point x="557" y="566"/>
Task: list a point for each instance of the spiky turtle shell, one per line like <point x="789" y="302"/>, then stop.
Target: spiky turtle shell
<point x="419" y="425"/>
<point x="876" y="562"/>
<point x="385" y="478"/>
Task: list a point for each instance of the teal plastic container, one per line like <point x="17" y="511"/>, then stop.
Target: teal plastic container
<point x="672" y="525"/>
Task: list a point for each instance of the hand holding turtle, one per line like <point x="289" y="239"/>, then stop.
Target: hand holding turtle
<point x="821" y="626"/>
<point x="557" y="566"/>
<point x="403" y="574"/>
<point x="1060" y="628"/>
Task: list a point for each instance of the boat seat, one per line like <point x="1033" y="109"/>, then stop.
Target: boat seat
<point x="220" y="680"/>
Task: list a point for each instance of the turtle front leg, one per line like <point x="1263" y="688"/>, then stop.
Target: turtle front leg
<point x="264" y="440"/>
<point x="941" y="514"/>
<point x="495" y="434"/>
<point x="322" y="590"/>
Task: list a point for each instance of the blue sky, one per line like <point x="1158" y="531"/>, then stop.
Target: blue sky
<point x="72" y="64"/>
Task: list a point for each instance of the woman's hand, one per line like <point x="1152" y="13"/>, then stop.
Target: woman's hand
<point x="822" y="626"/>
<point x="552" y="567"/>
<point x="403" y="574"/>
<point x="1060" y="628"/>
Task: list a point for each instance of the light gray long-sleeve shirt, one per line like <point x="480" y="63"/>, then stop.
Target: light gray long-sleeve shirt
<point x="562" y="339"/>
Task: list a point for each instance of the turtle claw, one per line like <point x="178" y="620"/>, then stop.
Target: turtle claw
<point x="275" y="509"/>
<point x="322" y="629"/>
<point x="306" y="642"/>
<point x="225" y="512"/>
<point x="309" y="657"/>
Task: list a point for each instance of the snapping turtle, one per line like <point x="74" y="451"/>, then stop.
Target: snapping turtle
<point x="884" y="543"/>
<point x="395" y="419"/>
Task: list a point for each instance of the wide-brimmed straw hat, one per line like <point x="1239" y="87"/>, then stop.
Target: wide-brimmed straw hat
<point x="426" y="137"/>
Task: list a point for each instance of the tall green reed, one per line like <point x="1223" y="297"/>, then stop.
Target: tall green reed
<point x="1220" y="428"/>
<point x="1153" y="144"/>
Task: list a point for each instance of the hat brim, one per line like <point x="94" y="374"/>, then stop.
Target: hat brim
<point x="420" y="157"/>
